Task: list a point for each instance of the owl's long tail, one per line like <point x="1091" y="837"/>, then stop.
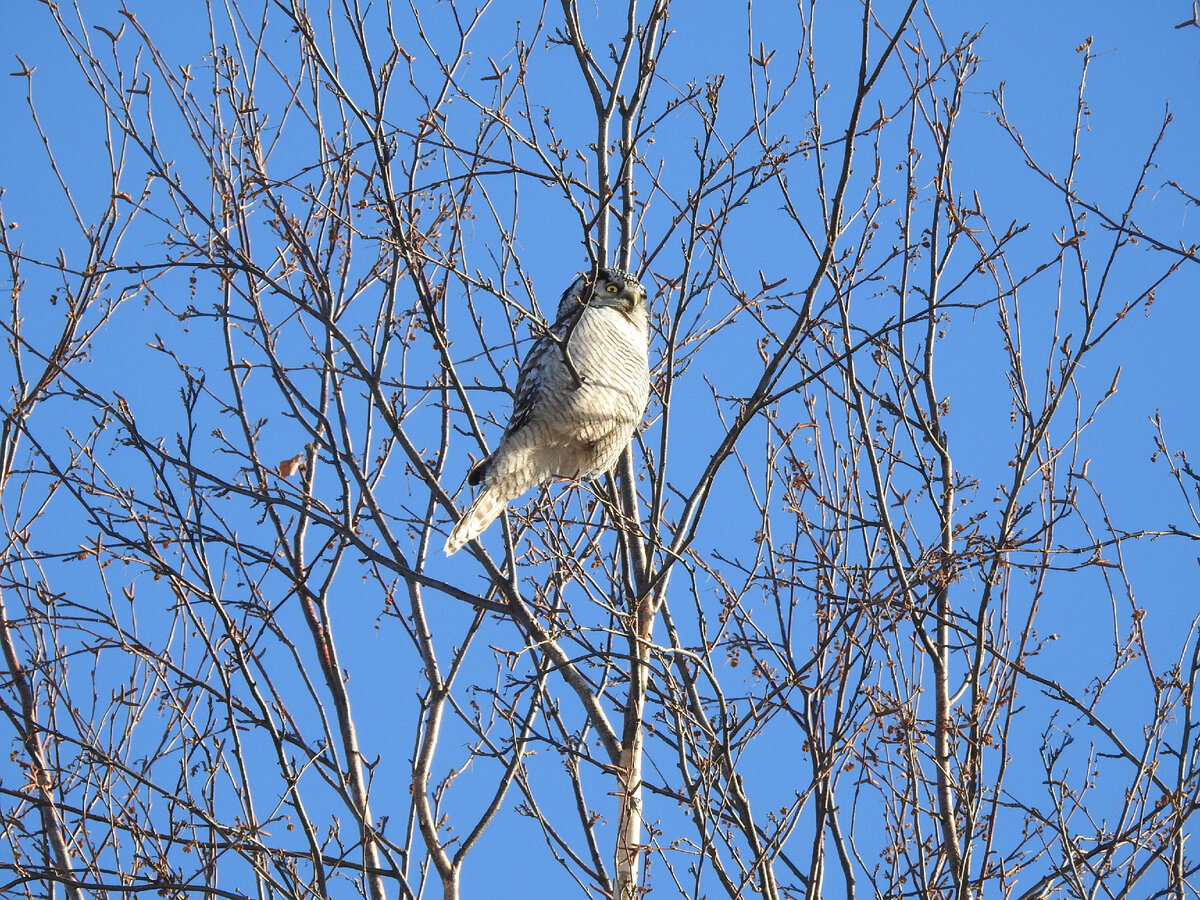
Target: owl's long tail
<point x="479" y="515"/>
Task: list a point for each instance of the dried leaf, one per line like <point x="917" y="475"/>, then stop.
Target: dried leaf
<point x="290" y="467"/>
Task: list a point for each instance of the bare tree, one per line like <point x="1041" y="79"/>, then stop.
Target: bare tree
<point x="795" y="645"/>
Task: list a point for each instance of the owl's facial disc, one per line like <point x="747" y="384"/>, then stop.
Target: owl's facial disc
<point x="617" y="290"/>
<point x="620" y="297"/>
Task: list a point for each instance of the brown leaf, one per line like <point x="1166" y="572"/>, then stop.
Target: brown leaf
<point x="290" y="467"/>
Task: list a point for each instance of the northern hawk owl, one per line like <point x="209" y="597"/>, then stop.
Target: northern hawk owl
<point x="581" y="391"/>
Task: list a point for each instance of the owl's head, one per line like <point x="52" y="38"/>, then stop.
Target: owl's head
<point x="606" y="286"/>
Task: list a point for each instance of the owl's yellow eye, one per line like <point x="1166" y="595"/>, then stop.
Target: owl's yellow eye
<point x="612" y="288"/>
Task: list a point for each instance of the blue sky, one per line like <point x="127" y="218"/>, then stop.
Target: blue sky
<point x="1141" y="63"/>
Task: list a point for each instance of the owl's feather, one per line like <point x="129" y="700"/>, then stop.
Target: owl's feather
<point x="491" y="501"/>
<point x="562" y="426"/>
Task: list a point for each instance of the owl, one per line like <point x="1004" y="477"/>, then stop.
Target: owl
<point x="581" y="391"/>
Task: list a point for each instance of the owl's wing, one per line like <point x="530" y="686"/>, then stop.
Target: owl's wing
<point x="540" y="368"/>
<point x="530" y="382"/>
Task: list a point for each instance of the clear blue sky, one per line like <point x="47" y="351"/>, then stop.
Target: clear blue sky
<point x="1141" y="64"/>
